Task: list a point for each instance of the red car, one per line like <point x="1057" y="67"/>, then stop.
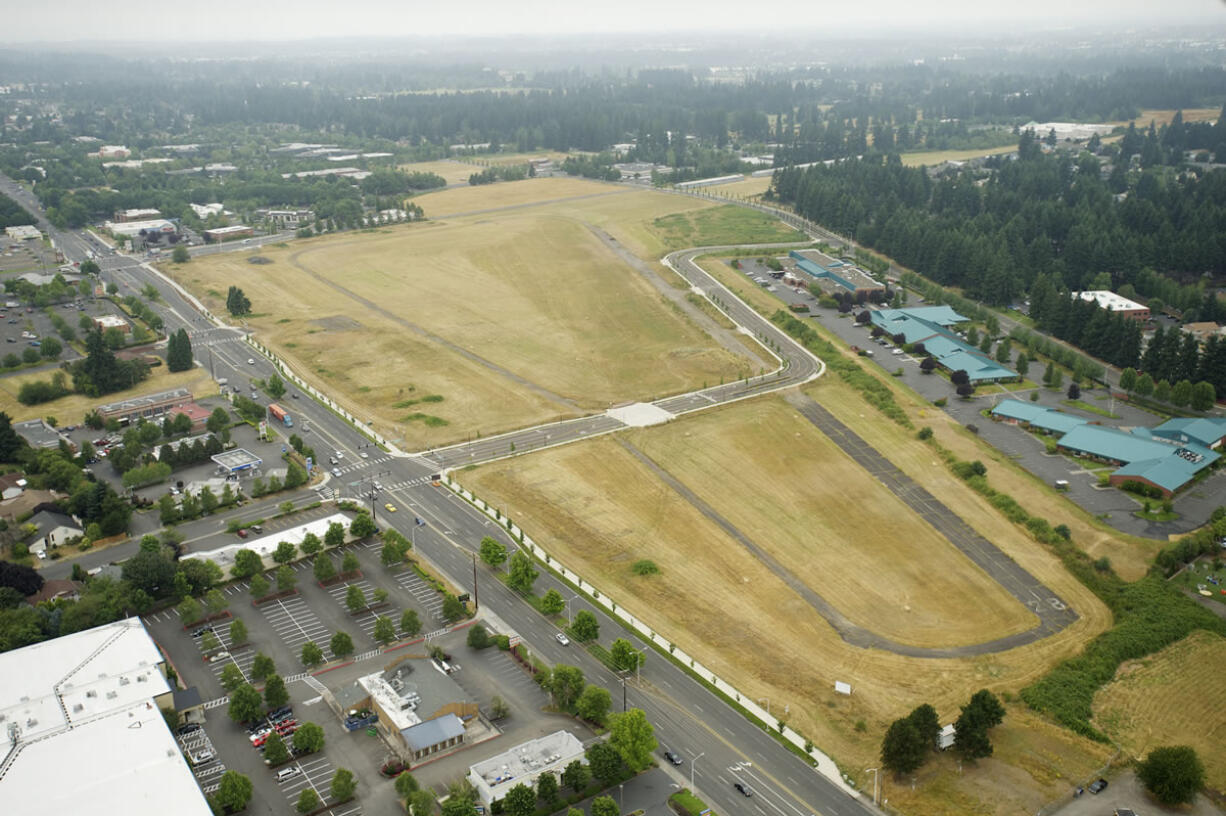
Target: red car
<point x="242" y="533"/>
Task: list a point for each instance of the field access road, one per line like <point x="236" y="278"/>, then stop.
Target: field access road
<point x="796" y="365"/>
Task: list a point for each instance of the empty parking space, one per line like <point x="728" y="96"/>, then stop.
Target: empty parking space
<point x="426" y="595"/>
<point x="241" y="655"/>
<point x="316" y="772"/>
<point x="202" y="756"/>
<point x="294" y="622"/>
<point x="505" y="673"/>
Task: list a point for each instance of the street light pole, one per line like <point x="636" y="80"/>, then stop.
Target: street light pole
<point x="876" y="786"/>
<point x="694" y="762"/>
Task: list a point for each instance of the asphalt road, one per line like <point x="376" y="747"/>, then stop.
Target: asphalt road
<point x="688" y="718"/>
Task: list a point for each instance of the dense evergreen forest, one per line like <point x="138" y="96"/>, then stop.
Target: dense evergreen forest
<point x="993" y="232"/>
<point x="13" y="214"/>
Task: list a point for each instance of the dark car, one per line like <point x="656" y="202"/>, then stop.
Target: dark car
<point x="744" y="789"/>
<point x="1098" y="785"/>
<point x="190" y="728"/>
<point x="673" y="758"/>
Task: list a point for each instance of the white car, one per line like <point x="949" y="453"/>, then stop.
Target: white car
<point x="562" y="638"/>
<point x="250" y="361"/>
<point x="336" y="472"/>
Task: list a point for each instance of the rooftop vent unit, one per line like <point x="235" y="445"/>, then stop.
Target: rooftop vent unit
<point x="111" y="695"/>
<point x="78" y="708"/>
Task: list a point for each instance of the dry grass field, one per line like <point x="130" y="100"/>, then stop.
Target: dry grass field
<point x="599" y="509"/>
<point x="748" y="188"/>
<point x="71" y="409"/>
<point x="1164" y="117"/>
<point x="928" y="157"/>
<point x="877" y="562"/>
<point x="474" y="324"/>
<point x="453" y="171"/>
<point x="1175" y="697"/>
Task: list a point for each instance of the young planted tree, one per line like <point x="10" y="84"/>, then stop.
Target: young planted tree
<point x="335" y="535"/>
<point x="493" y="553"/>
<point x="631" y="735"/>
<point x="594" y="703"/>
<point x="344" y="785"/>
<point x="311" y="544"/>
<point x="604" y="761"/>
<point x="312" y="655"/>
<point x="350" y="563"/>
<point x="355" y="598"/>
<point x="552" y="602"/>
<point x="522" y="574"/>
<point x="341" y="644"/>
<point x="262" y="666"/>
<point x="309" y="738"/>
<point x="275" y="693"/>
<point x="576" y="776"/>
<point x="308" y="801"/>
<point x="284" y="553"/>
<point x="259" y="586"/>
<point x="586" y="627"/>
<point x="385" y="630"/>
<point x="238" y="632"/>
<point x="324" y="568"/>
<point x="410" y="624"/>
<point x="233" y="791"/>
<point x="275" y="751"/>
<point x="519" y="800"/>
<point x="286" y="578"/>
<point x="231" y="676"/>
<point x="245" y="704"/>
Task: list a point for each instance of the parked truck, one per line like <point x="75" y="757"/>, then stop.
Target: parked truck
<point x="279" y="413"/>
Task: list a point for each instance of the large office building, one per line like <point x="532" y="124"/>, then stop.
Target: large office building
<point x="1115" y="303"/>
<point x="82" y="730"/>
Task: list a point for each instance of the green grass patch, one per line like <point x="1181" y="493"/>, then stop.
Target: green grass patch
<point x="728" y="224"/>
<point x="1093" y="409"/>
<point x="409" y="403"/>
<point x="284" y="320"/>
<point x="685" y="802"/>
<point x="1157" y="515"/>
<point x="426" y="419"/>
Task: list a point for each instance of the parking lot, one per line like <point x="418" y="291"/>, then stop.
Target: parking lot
<point x="364" y="620"/>
<point x="279" y="627"/>
<point x="196" y="745"/>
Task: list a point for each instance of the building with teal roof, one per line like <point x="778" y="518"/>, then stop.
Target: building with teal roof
<point x="929" y="325"/>
<point x="1048" y="420"/>
<point x="1143" y="457"/>
<point x="1206" y="431"/>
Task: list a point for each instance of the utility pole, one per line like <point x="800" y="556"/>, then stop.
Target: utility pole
<point x="476" y="595"/>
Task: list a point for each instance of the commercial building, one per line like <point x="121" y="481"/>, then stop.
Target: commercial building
<point x="23" y="233"/>
<point x="287" y="219"/>
<point x="82" y="728"/>
<point x="221" y="234"/>
<point x="112" y="152"/>
<point x="524" y="764"/>
<point x="708" y="182"/>
<point x="125" y="216"/>
<point x="104" y="322"/>
<point x="930" y="325"/>
<point x="840" y="274"/>
<point x="133" y="229"/>
<point x="38" y="433"/>
<point x="146" y="407"/>
<point x="205" y="210"/>
<point x="420" y="708"/>
<point x="1114" y="303"/>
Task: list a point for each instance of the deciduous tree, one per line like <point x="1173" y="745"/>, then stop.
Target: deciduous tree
<point x="245" y="703"/>
<point x="493" y="552"/>
<point x="1173" y="774"/>
<point x="631" y="735"/>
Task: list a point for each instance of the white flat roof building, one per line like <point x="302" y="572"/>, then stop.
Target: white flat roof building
<point x="1111" y="301"/>
<point x="81" y="725"/>
<point x="551" y="753"/>
<point x="205" y="210"/>
<point x="23" y="233"/>
<point x="131" y="228"/>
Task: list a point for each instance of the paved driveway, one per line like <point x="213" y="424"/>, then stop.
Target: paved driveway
<point x="1126" y="792"/>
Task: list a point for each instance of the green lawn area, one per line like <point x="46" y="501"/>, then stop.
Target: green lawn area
<point x="1093" y="409"/>
<point x="729" y="224"/>
<point x="1197" y="575"/>
<point x="687" y="802"/>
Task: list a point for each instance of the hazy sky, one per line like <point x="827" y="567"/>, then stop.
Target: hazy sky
<point x="207" y="20"/>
